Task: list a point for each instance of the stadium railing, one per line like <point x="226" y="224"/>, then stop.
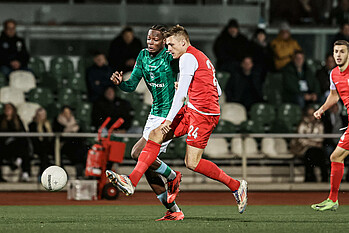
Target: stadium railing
<point x="244" y="159"/>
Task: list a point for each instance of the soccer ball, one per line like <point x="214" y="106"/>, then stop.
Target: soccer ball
<point x="54" y="178"/>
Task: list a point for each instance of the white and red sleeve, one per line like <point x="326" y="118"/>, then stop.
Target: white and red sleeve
<point x="332" y="86"/>
<point x="187" y="67"/>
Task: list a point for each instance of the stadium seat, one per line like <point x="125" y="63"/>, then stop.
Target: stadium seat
<point x="281" y="127"/>
<point x="234" y="113"/>
<point x="248" y="147"/>
<point x="61" y="68"/>
<point x="50" y="83"/>
<point x="217" y="148"/>
<point x="77" y="82"/>
<point x="53" y="110"/>
<point x="275" y="148"/>
<point x="27" y="111"/>
<point x="23" y="80"/>
<point x="222" y="99"/>
<point x="223" y="78"/>
<point x="67" y="96"/>
<point x="262" y="112"/>
<point x="83" y="115"/>
<point x="11" y="95"/>
<point x="141" y="113"/>
<point x="37" y="65"/>
<point x="290" y="114"/>
<point x="42" y="96"/>
<point x="251" y="126"/>
<point x="225" y="127"/>
<point x="3" y="80"/>
<point x="272" y="88"/>
<point x="180" y="147"/>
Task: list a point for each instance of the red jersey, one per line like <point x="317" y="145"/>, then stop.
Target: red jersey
<point x="340" y="82"/>
<point x="202" y="92"/>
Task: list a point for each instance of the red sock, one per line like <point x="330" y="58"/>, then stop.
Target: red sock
<point x="337" y="170"/>
<point x="211" y="170"/>
<point x="145" y="159"/>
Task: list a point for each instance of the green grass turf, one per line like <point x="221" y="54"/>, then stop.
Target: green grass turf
<point x="198" y="219"/>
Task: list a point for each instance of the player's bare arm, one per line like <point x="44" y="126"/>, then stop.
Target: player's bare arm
<point x="116" y="77"/>
<point x="332" y="99"/>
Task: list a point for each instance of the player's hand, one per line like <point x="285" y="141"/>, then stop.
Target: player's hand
<point x="318" y="113"/>
<point x="116" y="77"/>
<point x="165" y="127"/>
<point x="176" y="85"/>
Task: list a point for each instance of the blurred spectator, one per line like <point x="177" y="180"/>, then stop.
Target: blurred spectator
<point x="343" y="34"/>
<point x="323" y="76"/>
<point x="123" y="50"/>
<point x="283" y="47"/>
<point x="74" y="148"/>
<point x="311" y="148"/>
<point x="111" y="106"/>
<point x="245" y="86"/>
<point x="299" y="83"/>
<point x="43" y="146"/>
<point x="230" y="47"/>
<point x="98" y="77"/>
<point x="13" y="53"/>
<point x="261" y="51"/>
<point x="14" y="149"/>
<point x="340" y="14"/>
<point x="333" y="122"/>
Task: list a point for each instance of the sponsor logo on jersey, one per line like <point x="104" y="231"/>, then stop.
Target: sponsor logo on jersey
<point x="156" y="84"/>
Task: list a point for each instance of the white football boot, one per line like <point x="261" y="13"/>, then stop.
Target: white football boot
<point x="241" y="196"/>
<point x="122" y="182"/>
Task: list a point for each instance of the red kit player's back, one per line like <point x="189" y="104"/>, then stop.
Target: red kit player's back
<point x="202" y="93"/>
<point x="341" y="81"/>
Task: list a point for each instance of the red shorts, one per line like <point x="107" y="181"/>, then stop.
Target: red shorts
<point x="198" y="126"/>
<point x="344" y="140"/>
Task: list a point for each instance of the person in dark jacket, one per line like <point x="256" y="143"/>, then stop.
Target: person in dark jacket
<point x="43" y="146"/>
<point x="261" y="51"/>
<point x="97" y="77"/>
<point x="123" y="50"/>
<point x="230" y="47"/>
<point x="14" y="149"/>
<point x="112" y="106"/>
<point x="245" y="86"/>
<point x="299" y="83"/>
<point x="13" y="52"/>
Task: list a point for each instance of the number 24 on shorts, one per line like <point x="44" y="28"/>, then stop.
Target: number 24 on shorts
<point x="193" y="132"/>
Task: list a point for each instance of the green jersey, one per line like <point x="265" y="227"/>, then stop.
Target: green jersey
<point x="159" y="73"/>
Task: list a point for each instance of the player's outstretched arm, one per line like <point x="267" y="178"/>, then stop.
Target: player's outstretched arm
<point x="332" y="99"/>
<point x="116" y="77"/>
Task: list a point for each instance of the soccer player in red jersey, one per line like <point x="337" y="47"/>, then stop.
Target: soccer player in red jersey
<point x="339" y="88"/>
<point x="197" y="119"/>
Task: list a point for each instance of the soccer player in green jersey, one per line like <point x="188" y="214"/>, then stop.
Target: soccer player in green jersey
<point x="156" y="65"/>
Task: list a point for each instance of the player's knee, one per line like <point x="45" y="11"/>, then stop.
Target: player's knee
<point x="155" y="135"/>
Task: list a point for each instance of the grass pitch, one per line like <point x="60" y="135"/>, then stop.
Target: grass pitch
<point x="201" y="219"/>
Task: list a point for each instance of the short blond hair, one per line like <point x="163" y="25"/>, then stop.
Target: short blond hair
<point x="178" y="30"/>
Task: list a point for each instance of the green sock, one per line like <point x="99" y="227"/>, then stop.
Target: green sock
<point x="166" y="171"/>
